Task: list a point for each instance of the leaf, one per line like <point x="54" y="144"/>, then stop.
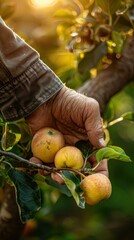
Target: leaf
<point x="112" y="152"/>
<point x="92" y="58"/>
<point x="73" y="184"/>
<point x="27" y="193"/>
<point x="116" y="37"/>
<point x="64" y="13"/>
<point x="128" y="116"/>
<point x="62" y="188"/>
<point x="11" y="136"/>
<point x="85" y="147"/>
<point x="109" y="6"/>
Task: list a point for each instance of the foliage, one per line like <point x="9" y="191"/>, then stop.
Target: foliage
<point x="94" y="33"/>
<point x="97" y="33"/>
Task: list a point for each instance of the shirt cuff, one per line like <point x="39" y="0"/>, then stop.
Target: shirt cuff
<point x="20" y="96"/>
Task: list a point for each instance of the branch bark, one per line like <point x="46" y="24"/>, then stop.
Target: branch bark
<point x="110" y="81"/>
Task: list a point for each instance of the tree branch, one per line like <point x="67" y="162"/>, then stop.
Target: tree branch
<point x="110" y="81"/>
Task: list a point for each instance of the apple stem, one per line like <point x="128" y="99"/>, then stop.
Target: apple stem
<point x="93" y="169"/>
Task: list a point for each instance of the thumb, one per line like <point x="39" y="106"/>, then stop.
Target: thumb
<point x="93" y="125"/>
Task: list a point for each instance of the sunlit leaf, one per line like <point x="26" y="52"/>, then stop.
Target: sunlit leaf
<point x="128" y="116"/>
<point x="116" y="37"/>
<point x="11" y="136"/>
<point x="27" y="193"/>
<point x="73" y="184"/>
<point x="65" y="13"/>
<point x="109" y="6"/>
<point x="112" y="152"/>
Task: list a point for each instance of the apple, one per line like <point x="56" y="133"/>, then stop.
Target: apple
<point x="96" y="187"/>
<point x="69" y="156"/>
<point x="46" y="142"/>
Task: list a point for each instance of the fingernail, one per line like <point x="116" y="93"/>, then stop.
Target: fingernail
<point x="102" y="142"/>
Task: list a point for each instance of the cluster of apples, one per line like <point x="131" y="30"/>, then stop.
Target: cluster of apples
<point x="48" y="145"/>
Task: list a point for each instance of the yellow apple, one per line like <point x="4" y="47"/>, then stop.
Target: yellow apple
<point x="69" y="156"/>
<point x="46" y="142"/>
<point x="96" y="187"/>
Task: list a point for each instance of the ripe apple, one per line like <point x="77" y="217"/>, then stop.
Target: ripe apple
<point x="69" y="156"/>
<point x="96" y="187"/>
<point x="46" y="142"/>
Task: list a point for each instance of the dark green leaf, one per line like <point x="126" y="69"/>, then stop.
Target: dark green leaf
<point x="73" y="184"/>
<point x="62" y="188"/>
<point x="109" y="6"/>
<point x="128" y="116"/>
<point x="27" y="193"/>
<point x="85" y="147"/>
<point x="112" y="152"/>
<point x="92" y="58"/>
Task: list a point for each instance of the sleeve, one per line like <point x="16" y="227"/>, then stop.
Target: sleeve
<point x="25" y="81"/>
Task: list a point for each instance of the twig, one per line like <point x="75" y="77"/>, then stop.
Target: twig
<point x="39" y="166"/>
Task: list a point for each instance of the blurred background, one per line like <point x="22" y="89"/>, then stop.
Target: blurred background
<point x="45" y="27"/>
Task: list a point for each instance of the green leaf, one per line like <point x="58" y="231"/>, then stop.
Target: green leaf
<point x="117" y="38"/>
<point x="73" y="184"/>
<point x="27" y="193"/>
<point x="62" y="188"/>
<point x="10" y="137"/>
<point x="64" y="13"/>
<point x="128" y="116"/>
<point x="109" y="6"/>
<point x="92" y="58"/>
<point x="85" y="147"/>
<point x="112" y="152"/>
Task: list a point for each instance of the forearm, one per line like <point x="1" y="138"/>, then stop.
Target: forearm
<point x="25" y="81"/>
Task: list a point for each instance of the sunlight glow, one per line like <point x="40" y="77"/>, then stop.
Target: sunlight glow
<point x="43" y="3"/>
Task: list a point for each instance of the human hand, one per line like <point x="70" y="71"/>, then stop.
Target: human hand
<point x="73" y="114"/>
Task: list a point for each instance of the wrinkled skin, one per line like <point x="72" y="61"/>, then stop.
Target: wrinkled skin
<point x="76" y="116"/>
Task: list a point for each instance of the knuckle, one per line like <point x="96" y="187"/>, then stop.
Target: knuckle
<point x="95" y="103"/>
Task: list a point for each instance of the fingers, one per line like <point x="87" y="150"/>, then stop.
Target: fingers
<point x="102" y="167"/>
<point x="93" y="124"/>
<point x="55" y="176"/>
<point x="37" y="161"/>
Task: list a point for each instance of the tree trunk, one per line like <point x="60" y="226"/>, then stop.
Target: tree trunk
<point x="10" y="224"/>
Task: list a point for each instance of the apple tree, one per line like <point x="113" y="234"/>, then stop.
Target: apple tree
<point x="99" y="36"/>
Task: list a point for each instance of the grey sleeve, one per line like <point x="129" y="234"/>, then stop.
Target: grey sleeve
<point x="25" y="81"/>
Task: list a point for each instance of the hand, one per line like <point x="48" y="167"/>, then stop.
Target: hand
<point x="75" y="115"/>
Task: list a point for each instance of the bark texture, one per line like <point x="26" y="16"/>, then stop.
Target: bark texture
<point x="10" y="224"/>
